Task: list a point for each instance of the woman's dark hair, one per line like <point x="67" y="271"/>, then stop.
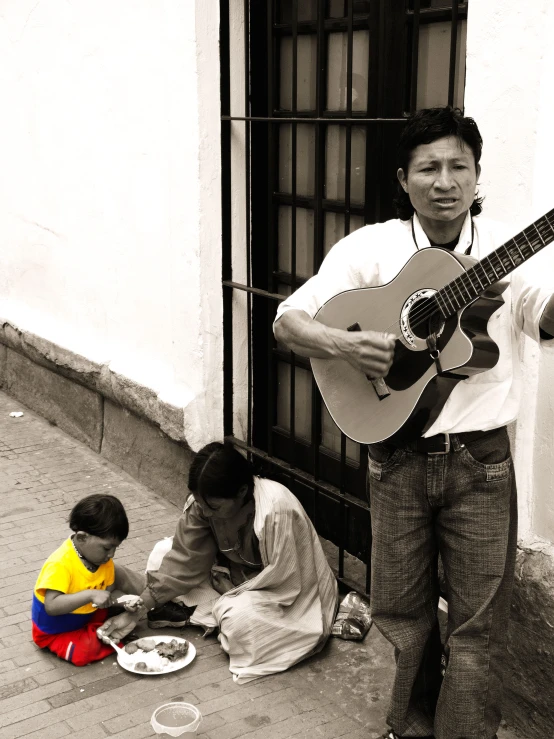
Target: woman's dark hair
<point x="100" y="515"/>
<point x="424" y="127"/>
<point x="218" y="470"/>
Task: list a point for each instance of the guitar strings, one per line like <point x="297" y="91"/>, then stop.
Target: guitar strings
<point x="524" y="242"/>
<point x="527" y="243"/>
<point x="432" y="306"/>
<point x="426" y="312"/>
<point x="456" y="286"/>
<point x="465" y="281"/>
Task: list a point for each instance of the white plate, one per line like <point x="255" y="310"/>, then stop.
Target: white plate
<point x="172" y="667"/>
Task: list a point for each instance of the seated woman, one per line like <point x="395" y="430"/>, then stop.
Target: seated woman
<point x="247" y="556"/>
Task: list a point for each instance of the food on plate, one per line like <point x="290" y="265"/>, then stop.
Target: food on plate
<point x="150" y="655"/>
<point x="147" y="645"/>
<point x="173" y="650"/>
<point x="152" y="662"/>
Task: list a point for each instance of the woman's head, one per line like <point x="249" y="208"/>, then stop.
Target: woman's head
<point x="220" y="479"/>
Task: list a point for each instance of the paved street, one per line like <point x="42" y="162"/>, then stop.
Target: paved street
<point x="342" y="692"/>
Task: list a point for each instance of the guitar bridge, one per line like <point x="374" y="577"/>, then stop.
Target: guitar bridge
<point x="379" y="385"/>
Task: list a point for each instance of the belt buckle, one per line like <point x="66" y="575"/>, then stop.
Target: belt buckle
<point x="446" y="449"/>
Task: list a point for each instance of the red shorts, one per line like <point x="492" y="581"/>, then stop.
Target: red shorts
<point x="80" y="646"/>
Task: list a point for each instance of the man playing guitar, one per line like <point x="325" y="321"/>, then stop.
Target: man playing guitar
<point x="450" y="491"/>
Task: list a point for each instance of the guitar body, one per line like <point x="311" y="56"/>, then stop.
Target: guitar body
<point x="417" y="385"/>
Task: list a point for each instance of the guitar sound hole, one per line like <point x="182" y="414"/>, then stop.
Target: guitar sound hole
<point x="409" y="366"/>
<point x="425" y="319"/>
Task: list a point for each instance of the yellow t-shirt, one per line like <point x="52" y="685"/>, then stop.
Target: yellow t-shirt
<point x="64" y="571"/>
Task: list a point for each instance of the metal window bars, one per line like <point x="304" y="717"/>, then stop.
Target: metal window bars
<point x="286" y="428"/>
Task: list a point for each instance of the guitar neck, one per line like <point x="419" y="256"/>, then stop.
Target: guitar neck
<point x="472" y="283"/>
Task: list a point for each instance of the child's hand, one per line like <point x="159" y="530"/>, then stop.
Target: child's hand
<point x="101" y="598"/>
<point x="131" y="603"/>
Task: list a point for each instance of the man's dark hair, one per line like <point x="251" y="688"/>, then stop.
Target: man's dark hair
<point x="424" y="127"/>
<point x="100" y="515"/>
<point x="219" y="471"/>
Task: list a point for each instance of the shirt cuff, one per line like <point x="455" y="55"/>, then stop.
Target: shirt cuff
<point x="546" y="340"/>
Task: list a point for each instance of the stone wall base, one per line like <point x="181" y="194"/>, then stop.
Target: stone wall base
<point x="146" y="453"/>
<point x="135" y="444"/>
<point x="529" y="699"/>
<point x="74" y="408"/>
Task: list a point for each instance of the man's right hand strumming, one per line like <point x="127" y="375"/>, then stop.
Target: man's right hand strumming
<point x="369" y="351"/>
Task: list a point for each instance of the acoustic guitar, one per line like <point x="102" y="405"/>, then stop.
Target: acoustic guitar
<point x="438" y="308"/>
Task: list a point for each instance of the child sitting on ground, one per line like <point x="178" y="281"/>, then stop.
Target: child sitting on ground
<point x="76" y="583"/>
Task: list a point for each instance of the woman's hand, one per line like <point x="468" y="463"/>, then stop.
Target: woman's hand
<point x="118" y="626"/>
<point x="131" y="603"/>
<point x="221" y="580"/>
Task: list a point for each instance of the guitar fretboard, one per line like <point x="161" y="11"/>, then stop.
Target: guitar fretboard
<point x="472" y="283"/>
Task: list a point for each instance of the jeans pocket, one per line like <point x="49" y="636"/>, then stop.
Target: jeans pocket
<point x="381" y="458"/>
<point x="490" y="454"/>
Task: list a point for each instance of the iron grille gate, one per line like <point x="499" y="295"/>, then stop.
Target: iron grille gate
<point x="327" y="85"/>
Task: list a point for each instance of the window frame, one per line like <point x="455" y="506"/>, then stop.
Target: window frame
<point x="331" y="487"/>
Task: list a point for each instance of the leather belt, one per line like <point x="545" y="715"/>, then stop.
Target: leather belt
<point x="444" y="443"/>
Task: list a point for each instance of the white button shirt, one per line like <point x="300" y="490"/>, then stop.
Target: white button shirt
<point x="373" y="255"/>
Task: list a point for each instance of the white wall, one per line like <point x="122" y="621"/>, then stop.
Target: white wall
<point x="510" y="93"/>
<point x="110" y="238"/>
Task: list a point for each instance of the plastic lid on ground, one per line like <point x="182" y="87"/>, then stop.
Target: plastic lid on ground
<point x="176" y="719"/>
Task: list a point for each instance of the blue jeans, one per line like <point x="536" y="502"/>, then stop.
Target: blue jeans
<point x="461" y="506"/>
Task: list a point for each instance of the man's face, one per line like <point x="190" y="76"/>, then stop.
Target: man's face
<point x="441" y="180"/>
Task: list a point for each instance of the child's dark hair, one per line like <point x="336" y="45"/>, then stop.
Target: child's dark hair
<point x="100" y="515"/>
<point x="218" y="470"/>
<point x="425" y="126"/>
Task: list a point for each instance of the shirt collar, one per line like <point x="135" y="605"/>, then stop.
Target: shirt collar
<point x="466" y="235"/>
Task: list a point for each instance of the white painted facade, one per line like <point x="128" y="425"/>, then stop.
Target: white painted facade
<point x="110" y="237"/>
<point x="110" y="242"/>
<point x="510" y="93"/>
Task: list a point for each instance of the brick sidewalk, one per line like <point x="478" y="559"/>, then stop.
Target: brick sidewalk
<point x="342" y="692"/>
